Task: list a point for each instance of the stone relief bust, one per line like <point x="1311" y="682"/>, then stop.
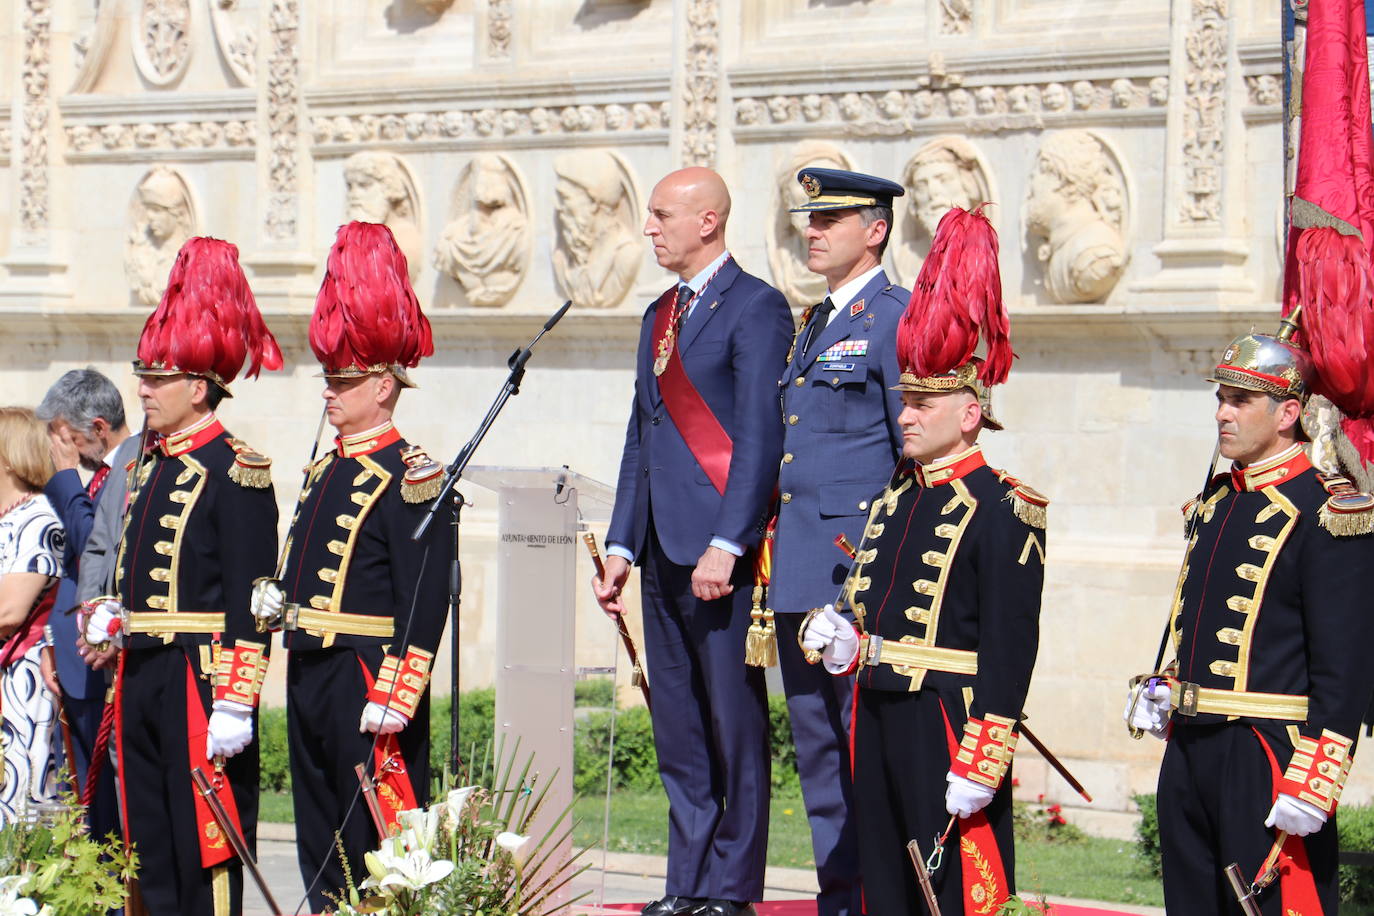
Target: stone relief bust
<point x="381" y="190"/>
<point x="486" y="245"/>
<point x="786" y="238"/>
<point x="1076" y="217"/>
<point x="597" y="254"/>
<point x="161" y="219"/>
<point x="946" y="172"/>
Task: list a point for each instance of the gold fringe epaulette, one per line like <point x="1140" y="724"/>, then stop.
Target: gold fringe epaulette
<point x="424" y="476"/>
<point x="1347" y="511"/>
<point x="1029" y="505"/>
<point x="250" y="469"/>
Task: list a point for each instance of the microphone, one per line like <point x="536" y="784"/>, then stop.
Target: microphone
<point x="548" y="325"/>
<point x="560" y="482"/>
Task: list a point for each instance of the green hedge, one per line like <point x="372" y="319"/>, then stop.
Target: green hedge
<point x="636" y="764"/>
<point x="1356" y="826"/>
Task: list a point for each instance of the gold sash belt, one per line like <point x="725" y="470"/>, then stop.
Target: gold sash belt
<point x="1190" y="699"/>
<point x="309" y="618"/>
<point x="874" y="650"/>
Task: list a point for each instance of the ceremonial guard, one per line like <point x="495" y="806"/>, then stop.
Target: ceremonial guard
<point x="697" y="473"/>
<point x="946" y="596"/>
<point x="201" y="526"/>
<point x="841" y="440"/>
<point x="362" y="604"/>
<point x="1270" y="628"/>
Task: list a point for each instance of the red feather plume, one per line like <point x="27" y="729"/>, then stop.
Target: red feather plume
<point x="956" y="299"/>
<point x="366" y="313"/>
<point x="208" y="320"/>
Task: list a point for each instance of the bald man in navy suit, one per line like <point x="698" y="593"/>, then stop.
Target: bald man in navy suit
<point x="696" y="480"/>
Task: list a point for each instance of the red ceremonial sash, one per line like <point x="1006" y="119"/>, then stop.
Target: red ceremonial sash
<point x="394" y="790"/>
<point x="708" y="441"/>
<point x="1297" y="889"/>
<point x="214" y="847"/>
<point x="985" y="880"/>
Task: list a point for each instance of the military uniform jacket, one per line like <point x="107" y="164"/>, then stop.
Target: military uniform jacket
<point x="1272" y="600"/>
<point x="953" y="567"/>
<point x="201" y="527"/>
<point x="350" y="556"/>
<point x="841" y="441"/>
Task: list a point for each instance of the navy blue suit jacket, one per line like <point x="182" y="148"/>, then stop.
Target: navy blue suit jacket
<point x="76" y="510"/>
<point x="733" y="345"/>
<point x="843" y="446"/>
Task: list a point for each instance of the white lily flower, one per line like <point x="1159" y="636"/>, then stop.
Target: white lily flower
<point x="11" y="904"/>
<point x="518" y="846"/>
<point x="420" y="827"/>
<point x="402" y="869"/>
<point x="457" y="801"/>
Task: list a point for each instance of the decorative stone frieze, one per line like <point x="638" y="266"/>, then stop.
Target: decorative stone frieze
<point x="599" y="248"/>
<point x="188" y="136"/>
<point x="381" y="189"/>
<point x="162" y="40"/>
<point x="956" y="17"/>
<point x="498" y="29"/>
<point x="161" y="218"/>
<point x="236" y="38"/>
<point x="948" y="171"/>
<point x="701" y="83"/>
<point x="37" y="67"/>
<point x="551" y="122"/>
<point x="785" y="230"/>
<point x="982" y="108"/>
<point x="1204" y="128"/>
<point x="486" y="245"/>
<point x="283" y="121"/>
<point x="1076" y="217"/>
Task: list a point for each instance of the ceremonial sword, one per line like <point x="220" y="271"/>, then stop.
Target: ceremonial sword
<point x="236" y="840"/>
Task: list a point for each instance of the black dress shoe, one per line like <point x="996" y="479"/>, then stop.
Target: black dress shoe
<point x="672" y="905"/>
<point x="726" y="908"/>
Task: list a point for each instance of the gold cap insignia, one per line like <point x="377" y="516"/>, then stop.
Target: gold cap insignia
<point x="811" y="186"/>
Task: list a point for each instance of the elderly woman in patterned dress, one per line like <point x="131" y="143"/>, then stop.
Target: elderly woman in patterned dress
<point x="31" y="543"/>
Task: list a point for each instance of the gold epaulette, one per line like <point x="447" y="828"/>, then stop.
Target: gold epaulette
<point x="1028" y="504"/>
<point x="250" y="468"/>
<point x="1347" y="511"/>
<point x="424" y="476"/>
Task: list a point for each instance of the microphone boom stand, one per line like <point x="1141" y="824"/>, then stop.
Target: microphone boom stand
<point x="453" y="472"/>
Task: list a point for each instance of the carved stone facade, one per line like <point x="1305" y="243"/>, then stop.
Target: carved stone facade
<point x="161" y="218"/>
<point x="1130" y="154"/>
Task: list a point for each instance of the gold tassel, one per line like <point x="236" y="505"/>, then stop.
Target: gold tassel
<point x="421" y="491"/>
<point x="761" y="643"/>
<point x="1346" y="524"/>
<point x="256" y="477"/>
<point x="1031" y="513"/>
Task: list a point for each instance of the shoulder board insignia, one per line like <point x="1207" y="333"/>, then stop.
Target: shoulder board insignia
<point x="423" y="478"/>
<point x="1347" y="511"/>
<point x="1027" y="503"/>
<point x="250" y="469"/>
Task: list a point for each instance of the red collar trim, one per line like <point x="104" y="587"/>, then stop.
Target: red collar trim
<point x="192" y="438"/>
<point x="1289" y="463"/>
<point x="367" y="442"/>
<point x="948" y="469"/>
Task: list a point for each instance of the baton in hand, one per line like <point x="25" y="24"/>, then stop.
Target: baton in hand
<point x="637" y="677"/>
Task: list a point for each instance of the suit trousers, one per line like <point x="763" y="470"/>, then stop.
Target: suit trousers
<point x="325" y="695"/>
<point x="819" y="706"/>
<point x="1216" y="787"/>
<point x="710" y="730"/>
<point x="158" y="793"/>
<point x="901" y="757"/>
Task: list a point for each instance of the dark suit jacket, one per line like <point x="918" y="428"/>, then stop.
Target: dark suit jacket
<point x="733" y="346"/>
<point x="96" y="573"/>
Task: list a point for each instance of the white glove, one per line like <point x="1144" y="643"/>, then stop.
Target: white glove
<point x="231" y="729"/>
<point x="1151" y="710"/>
<point x="965" y="797"/>
<point x="831" y="635"/>
<point x="98" y="627"/>
<point x="381" y="720"/>
<point x="267" y="602"/>
<point x="1294" y="816"/>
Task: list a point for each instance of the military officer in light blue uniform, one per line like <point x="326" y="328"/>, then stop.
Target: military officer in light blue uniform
<point x="841" y="443"/>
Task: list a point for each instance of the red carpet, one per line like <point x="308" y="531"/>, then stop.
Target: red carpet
<point x="808" y="908"/>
